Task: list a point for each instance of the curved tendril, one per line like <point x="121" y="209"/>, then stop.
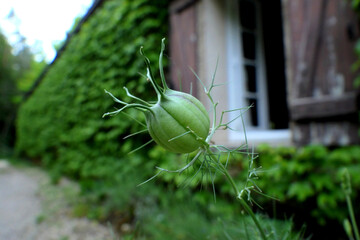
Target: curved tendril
<point x="162" y="75"/>
<point x="138" y="106"/>
<point x="114" y="98"/>
<point x="136" y="98"/>
<point x="149" y="75"/>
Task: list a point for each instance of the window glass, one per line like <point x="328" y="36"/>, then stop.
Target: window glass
<point x="249" y="45"/>
<point x="253" y="112"/>
<point x="247" y="14"/>
<point x="250" y="73"/>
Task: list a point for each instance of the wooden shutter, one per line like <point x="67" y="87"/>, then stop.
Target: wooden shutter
<point x="183" y="39"/>
<point x="320" y="38"/>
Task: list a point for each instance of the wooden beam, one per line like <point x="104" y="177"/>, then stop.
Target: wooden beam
<point x="326" y="106"/>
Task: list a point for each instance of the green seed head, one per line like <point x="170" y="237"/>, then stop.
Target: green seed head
<point x="177" y="121"/>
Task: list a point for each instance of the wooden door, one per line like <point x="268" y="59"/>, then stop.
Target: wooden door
<point x="320" y="38"/>
<point x="183" y="43"/>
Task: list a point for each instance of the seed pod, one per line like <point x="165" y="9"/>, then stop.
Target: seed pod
<point x="177" y="121"/>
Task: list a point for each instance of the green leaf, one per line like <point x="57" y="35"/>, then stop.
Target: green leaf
<point x="300" y="191"/>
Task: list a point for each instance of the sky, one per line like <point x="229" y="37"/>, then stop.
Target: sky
<point x="42" y="22"/>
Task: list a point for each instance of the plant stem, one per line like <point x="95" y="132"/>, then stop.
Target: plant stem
<point x="243" y="202"/>
<point x="346" y="186"/>
<point x="238" y="195"/>
<point x="352" y="217"/>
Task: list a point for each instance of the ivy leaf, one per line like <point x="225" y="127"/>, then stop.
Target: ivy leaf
<point x="300" y="190"/>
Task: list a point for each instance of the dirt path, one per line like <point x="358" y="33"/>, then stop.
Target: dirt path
<point x="33" y="209"/>
<point x="19" y="205"/>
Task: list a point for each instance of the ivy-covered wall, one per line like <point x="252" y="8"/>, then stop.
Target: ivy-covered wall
<point x="61" y="123"/>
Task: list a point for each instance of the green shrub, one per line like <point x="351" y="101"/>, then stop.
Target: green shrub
<point x="195" y="223"/>
<point x="62" y="124"/>
<point x="307" y="183"/>
<point x="312" y="173"/>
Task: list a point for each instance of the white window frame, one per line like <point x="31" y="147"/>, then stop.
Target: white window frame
<point x="237" y="84"/>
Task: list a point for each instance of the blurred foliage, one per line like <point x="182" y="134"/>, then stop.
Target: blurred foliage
<point x="355" y="5"/>
<point x="307" y="183"/>
<point x="61" y="122"/>
<point x="27" y="79"/>
<point x="17" y="73"/>
<point x="194" y="224"/>
<point x="64" y="113"/>
<point x="7" y="88"/>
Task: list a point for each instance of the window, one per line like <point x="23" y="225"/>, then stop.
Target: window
<point x="255" y="70"/>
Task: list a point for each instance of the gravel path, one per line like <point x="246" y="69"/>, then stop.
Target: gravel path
<point x="33" y="209"/>
<point x="19" y="205"/>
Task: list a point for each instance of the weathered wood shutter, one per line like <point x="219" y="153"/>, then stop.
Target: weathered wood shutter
<point x="320" y="38"/>
<point x="183" y="40"/>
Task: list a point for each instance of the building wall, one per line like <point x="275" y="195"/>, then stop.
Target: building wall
<point x="319" y="38"/>
<point x="211" y="49"/>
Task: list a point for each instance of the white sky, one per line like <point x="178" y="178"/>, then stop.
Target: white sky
<point x="42" y="22"/>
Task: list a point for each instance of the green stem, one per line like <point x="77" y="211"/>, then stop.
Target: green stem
<point x="346" y="186"/>
<point x="352" y="217"/>
<point x="162" y="75"/>
<point x="150" y="76"/>
<point x="238" y="195"/>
